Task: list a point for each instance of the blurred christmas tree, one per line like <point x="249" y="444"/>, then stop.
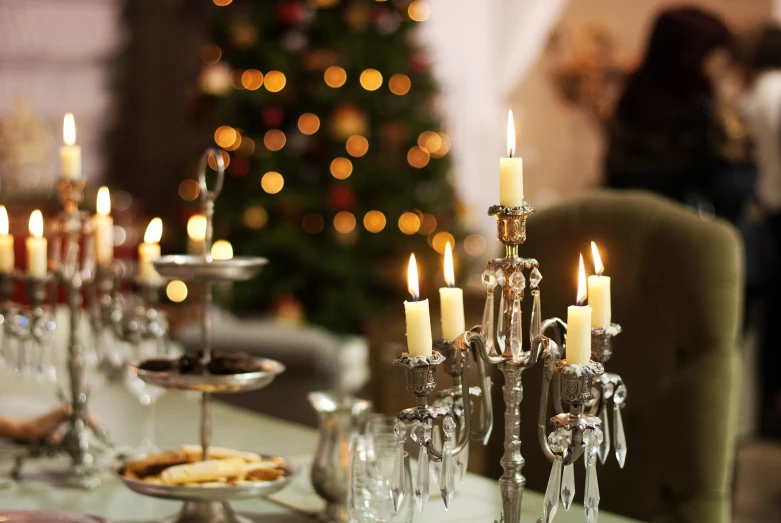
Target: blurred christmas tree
<point x="337" y="164"/>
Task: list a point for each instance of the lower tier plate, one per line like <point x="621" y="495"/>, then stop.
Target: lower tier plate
<point x="216" y="383"/>
<point x="253" y="489"/>
<point x="199" y="268"/>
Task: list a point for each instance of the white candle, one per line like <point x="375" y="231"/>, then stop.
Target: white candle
<point x="451" y="300"/>
<point x="511" y="171"/>
<point x="70" y="153"/>
<point x="104" y="229"/>
<point x="579" y="324"/>
<point x="37" y="258"/>
<point x="196" y="234"/>
<point x="418" y="319"/>
<point x="149" y="251"/>
<point x="599" y="292"/>
<point x="6" y="243"/>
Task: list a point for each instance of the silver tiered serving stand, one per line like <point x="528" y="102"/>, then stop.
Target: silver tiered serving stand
<point x="581" y="393"/>
<point x="210" y="504"/>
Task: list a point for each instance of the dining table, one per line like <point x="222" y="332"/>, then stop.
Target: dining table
<point x="176" y="416"/>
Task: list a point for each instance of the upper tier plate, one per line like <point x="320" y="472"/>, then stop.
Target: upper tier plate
<point x="216" y="383"/>
<point x="186" y="267"/>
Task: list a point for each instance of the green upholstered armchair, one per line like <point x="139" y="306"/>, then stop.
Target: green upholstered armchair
<point x="676" y="288"/>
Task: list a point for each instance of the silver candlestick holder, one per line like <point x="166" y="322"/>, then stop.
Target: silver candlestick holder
<point x="580" y="398"/>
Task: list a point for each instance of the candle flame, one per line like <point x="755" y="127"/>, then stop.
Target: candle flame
<point x="36" y="224"/>
<point x="412" y="278"/>
<point x="582" y="293"/>
<point x="196" y="227"/>
<point x="3" y="220"/>
<point x="103" y="204"/>
<point x="598" y="267"/>
<point x="69" y="129"/>
<point x="510" y="135"/>
<point x="450" y="276"/>
<point x="154" y="231"/>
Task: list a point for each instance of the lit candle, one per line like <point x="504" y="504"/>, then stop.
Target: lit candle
<point x="579" y="324"/>
<point x="418" y="320"/>
<point x="511" y="171"/>
<point x="104" y="229"/>
<point x="196" y="234"/>
<point x="149" y="251"/>
<point x="599" y="292"/>
<point x="6" y="243"/>
<point x="37" y="258"/>
<point x="70" y="153"/>
<point x="451" y="300"/>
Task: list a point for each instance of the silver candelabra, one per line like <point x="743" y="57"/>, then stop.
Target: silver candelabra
<point x="582" y="394"/>
<point x="73" y="266"/>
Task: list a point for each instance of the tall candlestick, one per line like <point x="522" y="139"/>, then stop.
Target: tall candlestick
<point x="196" y="234"/>
<point x="37" y="258"/>
<point x="579" y="324"/>
<point x="70" y="153"/>
<point x="451" y="300"/>
<point x="599" y="292"/>
<point x="149" y="251"/>
<point x="511" y="171"/>
<point x="6" y="243"/>
<point x="104" y="229"/>
<point x="418" y="319"/>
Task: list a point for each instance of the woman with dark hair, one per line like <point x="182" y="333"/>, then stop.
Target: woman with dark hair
<point x="668" y="134"/>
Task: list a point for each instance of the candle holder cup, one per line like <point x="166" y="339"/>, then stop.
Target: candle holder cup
<point x="609" y="395"/>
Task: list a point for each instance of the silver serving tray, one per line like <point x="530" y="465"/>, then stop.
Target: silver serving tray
<point x="226" y="493"/>
<point x="216" y="383"/>
<point x="199" y="268"/>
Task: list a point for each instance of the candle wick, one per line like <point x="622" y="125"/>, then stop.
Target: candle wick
<point x="414" y="297"/>
<point x="579" y="303"/>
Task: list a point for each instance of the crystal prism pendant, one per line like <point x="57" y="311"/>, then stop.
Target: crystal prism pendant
<point x="500" y="327"/>
<point x="591" y="494"/>
<point x="535" y="277"/>
<point x="487" y="328"/>
<point x="516" y="340"/>
<point x="462" y="460"/>
<point x="422" y="484"/>
<point x="535" y="329"/>
<point x="447" y="483"/>
<point x="398" y="478"/>
<point x="551" y="501"/>
<point x="618" y="435"/>
<point x="604" y="447"/>
<point x="568" y="486"/>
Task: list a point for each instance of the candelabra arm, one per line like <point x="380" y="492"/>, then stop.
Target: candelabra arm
<point x="552" y="355"/>
<point x="559" y="328"/>
<point x="487" y="409"/>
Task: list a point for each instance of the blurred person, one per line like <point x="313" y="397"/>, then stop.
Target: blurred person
<point x="762" y="107"/>
<point x="671" y="133"/>
<point x="41" y="429"/>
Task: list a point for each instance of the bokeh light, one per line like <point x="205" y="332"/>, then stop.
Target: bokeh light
<point x="272" y="182"/>
<point x="357" y="145"/>
<point x="419" y="10"/>
<point x="444" y="146"/>
<point x="246" y="147"/>
<point x="409" y="223"/>
<point x="222" y="3"/>
<point x="399" y="84"/>
<point x="189" y="190"/>
<point x="335" y="76"/>
<point x="211" y="54"/>
<point x="255" y="217"/>
<point x="236" y="79"/>
<point x="274" y="140"/>
<point x="417" y="157"/>
<point x="430" y="141"/>
<point x="308" y="123"/>
<point x="371" y="79"/>
<point x="341" y="168"/>
<point x="275" y="81"/>
<point x="196" y="227"/>
<point x="226" y="160"/>
<point x="176" y="291"/>
<point x="312" y="223"/>
<point x="441" y="239"/>
<point x="374" y="221"/>
<point x="251" y="79"/>
<point x="428" y="224"/>
<point x="474" y="245"/>
<point x="344" y="222"/>
<point x="222" y="250"/>
<point x="225" y="136"/>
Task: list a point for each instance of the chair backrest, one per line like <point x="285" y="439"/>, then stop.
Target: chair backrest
<point x="676" y="288"/>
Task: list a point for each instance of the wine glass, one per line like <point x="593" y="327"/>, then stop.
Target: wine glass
<point x="146" y="394"/>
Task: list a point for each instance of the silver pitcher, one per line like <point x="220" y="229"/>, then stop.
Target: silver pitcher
<point x="341" y="416"/>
